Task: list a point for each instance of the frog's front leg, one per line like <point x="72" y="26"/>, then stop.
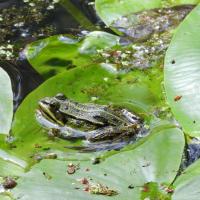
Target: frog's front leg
<point x="67" y="133"/>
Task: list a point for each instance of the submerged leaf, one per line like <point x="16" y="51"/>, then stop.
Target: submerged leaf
<point x="120" y="8"/>
<point x="60" y="53"/>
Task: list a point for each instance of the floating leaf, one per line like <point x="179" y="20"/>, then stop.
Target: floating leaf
<point x="8" y="168"/>
<point x="182" y="74"/>
<point x="125" y="173"/>
<point x="187" y="184"/>
<point x="6" y="102"/>
<point x="137" y="92"/>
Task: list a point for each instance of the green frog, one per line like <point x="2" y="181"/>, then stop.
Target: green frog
<point x="68" y="119"/>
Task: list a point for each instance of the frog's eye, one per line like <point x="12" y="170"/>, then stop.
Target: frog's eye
<point x="60" y="96"/>
<point x="54" y="105"/>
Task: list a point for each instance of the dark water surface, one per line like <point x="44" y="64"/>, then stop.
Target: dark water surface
<point x="20" y="25"/>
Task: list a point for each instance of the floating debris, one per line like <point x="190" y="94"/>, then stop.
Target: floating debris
<point x="96" y="188"/>
<point x="141" y="26"/>
<point x="99" y="189"/>
<point x="71" y="168"/>
<point x="9" y="183"/>
<point x="47" y="176"/>
<point x="38" y="157"/>
<point x="151" y="31"/>
<point x="139" y="55"/>
<point x="177" y="98"/>
<point x="84" y="181"/>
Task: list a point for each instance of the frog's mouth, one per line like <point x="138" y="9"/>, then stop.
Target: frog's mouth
<point x="46" y="112"/>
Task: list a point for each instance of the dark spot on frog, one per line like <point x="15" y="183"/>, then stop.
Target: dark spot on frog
<point x="194" y="122"/>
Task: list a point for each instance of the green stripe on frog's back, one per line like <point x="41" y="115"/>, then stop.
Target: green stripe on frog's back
<point x="97" y="114"/>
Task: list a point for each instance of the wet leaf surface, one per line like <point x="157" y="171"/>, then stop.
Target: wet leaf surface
<point x="82" y="84"/>
<point x="116" y="172"/>
<point x="182" y="74"/>
<point x="6" y="102"/>
<point x="187" y="184"/>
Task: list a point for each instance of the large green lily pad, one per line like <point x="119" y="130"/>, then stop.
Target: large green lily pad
<point x="182" y="74"/>
<point x="6" y="102"/>
<point x="140" y="91"/>
<point x="125" y="172"/>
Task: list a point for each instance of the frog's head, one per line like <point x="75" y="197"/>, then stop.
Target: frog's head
<point x="49" y="108"/>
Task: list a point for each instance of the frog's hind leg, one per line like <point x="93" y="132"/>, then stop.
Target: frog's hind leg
<point x="102" y="145"/>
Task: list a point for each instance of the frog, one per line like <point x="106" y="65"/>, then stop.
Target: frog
<point x="68" y="119"/>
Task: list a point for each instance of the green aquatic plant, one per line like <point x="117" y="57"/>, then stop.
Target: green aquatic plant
<point x="84" y="69"/>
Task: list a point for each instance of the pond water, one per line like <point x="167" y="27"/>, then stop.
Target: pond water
<point x="20" y="24"/>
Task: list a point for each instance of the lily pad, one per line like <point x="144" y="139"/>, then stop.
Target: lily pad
<point x="6" y="102"/>
<point x="182" y="74"/>
<point x="187" y="185"/>
<point x="3" y="197"/>
<point x="8" y="168"/>
<point x="125" y="173"/>
<point x="62" y="52"/>
<point x="84" y="84"/>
